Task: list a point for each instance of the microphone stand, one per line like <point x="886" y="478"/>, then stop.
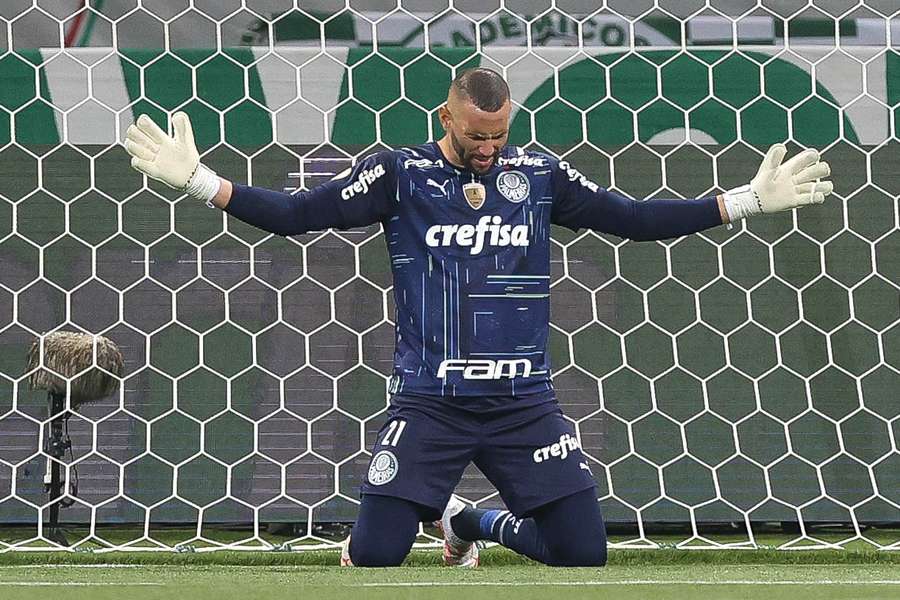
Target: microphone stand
<point x="56" y="445"/>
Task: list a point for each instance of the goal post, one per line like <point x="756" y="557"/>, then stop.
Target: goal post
<point x="739" y="376"/>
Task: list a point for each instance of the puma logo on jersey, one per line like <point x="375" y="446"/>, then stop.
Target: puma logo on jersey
<point x="440" y="186"/>
<point x="490" y="231"/>
<point x="365" y="179"/>
<point x="561" y="449"/>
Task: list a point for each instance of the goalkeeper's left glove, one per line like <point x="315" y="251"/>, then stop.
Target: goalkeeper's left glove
<point x="779" y="187"/>
<point x="172" y="160"/>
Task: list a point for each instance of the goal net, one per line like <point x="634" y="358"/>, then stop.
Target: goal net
<point x="734" y="378"/>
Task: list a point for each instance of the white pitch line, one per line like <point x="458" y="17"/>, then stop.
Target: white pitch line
<point x="85" y="566"/>
<point x="73" y="583"/>
<point x="636" y="582"/>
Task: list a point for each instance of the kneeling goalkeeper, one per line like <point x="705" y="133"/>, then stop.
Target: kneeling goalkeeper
<point x="467" y="225"/>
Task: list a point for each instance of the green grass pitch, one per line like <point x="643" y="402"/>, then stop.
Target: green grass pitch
<point x="675" y="574"/>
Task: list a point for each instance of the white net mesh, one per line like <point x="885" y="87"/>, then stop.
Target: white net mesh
<point x="737" y="377"/>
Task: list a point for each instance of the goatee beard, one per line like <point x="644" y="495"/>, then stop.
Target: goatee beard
<point x="467" y="160"/>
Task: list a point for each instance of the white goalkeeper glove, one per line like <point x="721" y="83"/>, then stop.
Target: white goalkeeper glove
<point x="172" y="160"/>
<point x="779" y="187"/>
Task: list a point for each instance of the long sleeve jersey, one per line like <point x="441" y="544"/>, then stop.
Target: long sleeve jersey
<point x="471" y="279"/>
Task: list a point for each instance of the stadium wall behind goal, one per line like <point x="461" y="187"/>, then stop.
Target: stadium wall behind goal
<point x="751" y="372"/>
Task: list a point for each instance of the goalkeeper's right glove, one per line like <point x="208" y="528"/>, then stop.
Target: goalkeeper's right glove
<point x="779" y="187"/>
<point x="172" y="160"/>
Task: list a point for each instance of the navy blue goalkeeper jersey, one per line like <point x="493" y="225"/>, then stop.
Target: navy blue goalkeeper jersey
<point x="471" y="278"/>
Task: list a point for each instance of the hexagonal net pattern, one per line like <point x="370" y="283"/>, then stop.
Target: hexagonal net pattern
<point x="741" y="376"/>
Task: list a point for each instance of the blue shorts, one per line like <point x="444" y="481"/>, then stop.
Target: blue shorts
<point x="421" y="452"/>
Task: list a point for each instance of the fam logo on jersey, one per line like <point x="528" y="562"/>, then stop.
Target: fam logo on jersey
<point x="423" y="163"/>
<point x="363" y="181"/>
<point x="383" y="468"/>
<point x="485" y="368"/>
<point x="490" y="231"/>
<point x="513" y="185"/>
<point x="566" y="445"/>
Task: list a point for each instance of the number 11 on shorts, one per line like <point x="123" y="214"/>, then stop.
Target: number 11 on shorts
<point x="395" y="430"/>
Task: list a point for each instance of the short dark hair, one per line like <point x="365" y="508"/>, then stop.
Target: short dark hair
<point x="484" y="87"/>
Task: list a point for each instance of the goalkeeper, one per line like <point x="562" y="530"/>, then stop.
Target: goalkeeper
<point x="467" y="225"/>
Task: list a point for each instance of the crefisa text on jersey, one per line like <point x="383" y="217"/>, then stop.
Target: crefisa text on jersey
<point x="475" y="235"/>
<point x="522" y="161"/>
<point x="363" y="181"/>
<point x="575" y="175"/>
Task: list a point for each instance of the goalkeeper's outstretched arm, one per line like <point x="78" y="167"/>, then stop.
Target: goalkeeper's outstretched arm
<point x="578" y="202"/>
<point x="174" y="160"/>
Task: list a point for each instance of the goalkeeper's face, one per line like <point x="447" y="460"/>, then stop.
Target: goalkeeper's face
<point x="476" y="136"/>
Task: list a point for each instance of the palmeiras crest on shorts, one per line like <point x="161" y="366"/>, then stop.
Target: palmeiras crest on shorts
<point x="513" y="185"/>
<point x="383" y="468"/>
